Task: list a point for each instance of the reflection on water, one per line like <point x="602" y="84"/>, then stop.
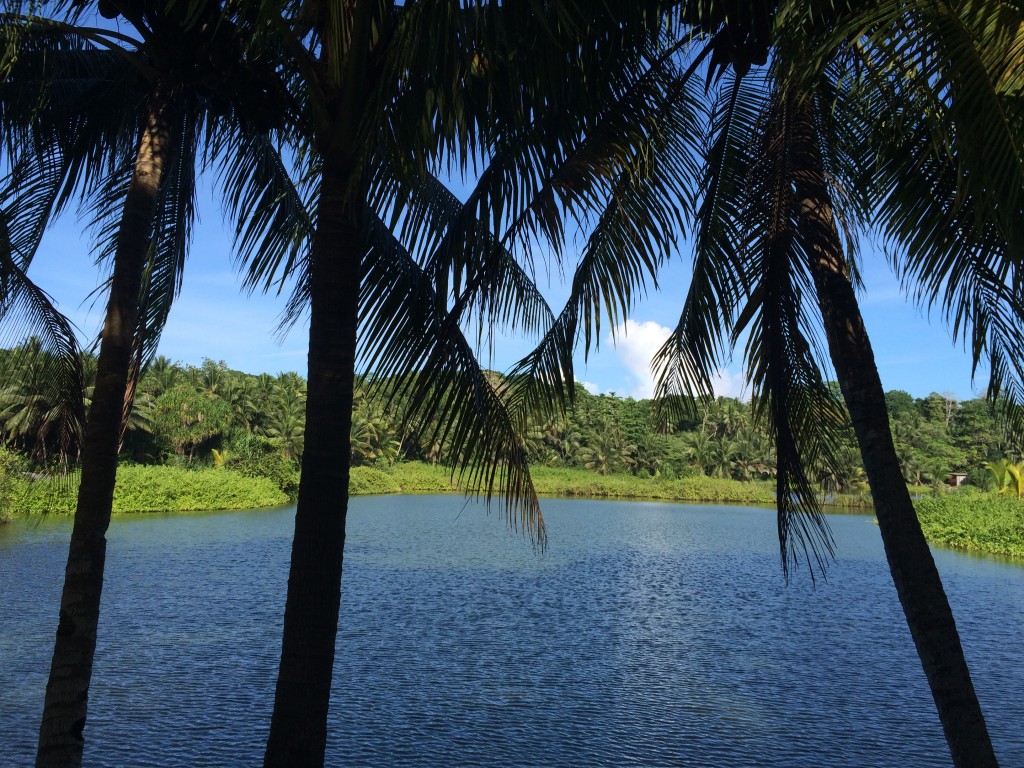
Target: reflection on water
<point x="647" y="634"/>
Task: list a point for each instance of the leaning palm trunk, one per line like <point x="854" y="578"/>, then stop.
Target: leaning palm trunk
<point x="914" y="574"/>
<point x="67" y="690"/>
<point x="298" y="729"/>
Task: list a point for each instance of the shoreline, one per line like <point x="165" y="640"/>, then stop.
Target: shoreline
<point x="972" y="522"/>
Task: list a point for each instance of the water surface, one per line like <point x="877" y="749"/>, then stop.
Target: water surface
<point x="647" y="634"/>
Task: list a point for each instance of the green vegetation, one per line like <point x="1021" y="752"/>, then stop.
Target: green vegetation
<point x="190" y="417"/>
<point x="966" y="519"/>
<point x="153" y="489"/>
<point x="418" y="477"/>
<point x="209" y="437"/>
<point x="578" y="482"/>
<point x="974" y="521"/>
<point x="324" y="123"/>
<point x="10" y="466"/>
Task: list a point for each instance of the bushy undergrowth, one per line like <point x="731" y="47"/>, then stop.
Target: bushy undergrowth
<point x="579" y="482"/>
<point x="10" y="468"/>
<point x="851" y="501"/>
<point x="155" y="489"/>
<point x="415" y="477"/>
<point x="419" y="477"/>
<point x="367" y="481"/>
<point x="975" y="521"/>
<point x="260" y="457"/>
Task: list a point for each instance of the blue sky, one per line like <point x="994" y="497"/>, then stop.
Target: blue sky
<point x="213" y="319"/>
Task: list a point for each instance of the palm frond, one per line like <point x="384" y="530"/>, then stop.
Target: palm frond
<point x="957" y="61"/>
<point x="782" y="352"/>
<point x="271" y="207"/>
<point x="25" y="310"/>
<point x="417" y="348"/>
<point x="953" y="259"/>
<point x="690" y="356"/>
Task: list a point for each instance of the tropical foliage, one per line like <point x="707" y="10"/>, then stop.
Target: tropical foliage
<point x="980" y="522"/>
<point x="253" y="424"/>
<point x="772" y="168"/>
<point x="154" y="489"/>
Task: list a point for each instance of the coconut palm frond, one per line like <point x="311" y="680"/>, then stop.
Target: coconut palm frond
<point x="270" y="206"/>
<point x="783" y="353"/>
<point x="421" y="352"/>
<point x="25" y="310"/>
<point x="643" y="204"/>
<point x="956" y="63"/>
<point x="953" y="259"/>
<point x="689" y="358"/>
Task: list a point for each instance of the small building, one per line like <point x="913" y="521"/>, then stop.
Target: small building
<point x="956" y="479"/>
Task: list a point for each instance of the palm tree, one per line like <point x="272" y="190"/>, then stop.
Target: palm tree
<point x="394" y="255"/>
<point x="609" y="450"/>
<point x="161" y="374"/>
<point x="698" y="450"/>
<point x="784" y="174"/>
<point x="30" y="407"/>
<point x="241" y="394"/>
<point x="132" y="151"/>
<point x="286" y="424"/>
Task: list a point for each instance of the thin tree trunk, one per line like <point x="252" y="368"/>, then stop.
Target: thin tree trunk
<point x="298" y="729"/>
<point x="914" y="574"/>
<point x="67" y="690"/>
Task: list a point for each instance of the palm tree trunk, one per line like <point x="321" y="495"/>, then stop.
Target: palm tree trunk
<point x="298" y="726"/>
<point x="67" y="690"/>
<point x="298" y="729"/>
<point x="914" y="574"/>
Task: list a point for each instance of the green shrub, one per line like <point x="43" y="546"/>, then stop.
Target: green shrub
<point x="157" y="489"/>
<point x="975" y="521"/>
<point x="10" y="467"/>
<point x="367" y="481"/>
<point x="579" y="482"/>
<point x="152" y="489"/>
<point x="418" y="477"/>
<point x="254" y="456"/>
<point x="50" y="495"/>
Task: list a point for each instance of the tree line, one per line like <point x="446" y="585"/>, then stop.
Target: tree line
<point x="211" y="414"/>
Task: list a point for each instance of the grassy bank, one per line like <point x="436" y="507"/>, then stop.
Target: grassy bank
<point x="974" y="521"/>
<point x="414" y="477"/>
<point x="152" y="489"/>
<point x="965" y="519"/>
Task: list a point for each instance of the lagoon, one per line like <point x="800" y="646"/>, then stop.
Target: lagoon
<point x="646" y="634"/>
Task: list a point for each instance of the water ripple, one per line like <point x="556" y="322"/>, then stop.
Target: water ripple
<point x="647" y="635"/>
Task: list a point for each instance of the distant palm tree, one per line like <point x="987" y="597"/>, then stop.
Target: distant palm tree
<point x="30" y="408"/>
<point x="285" y="423"/>
<point x="698" y="450"/>
<point x="241" y="394"/>
<point x="162" y="374"/>
<point x="609" y="450"/>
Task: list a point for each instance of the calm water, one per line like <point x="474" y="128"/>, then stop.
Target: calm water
<point x="648" y="634"/>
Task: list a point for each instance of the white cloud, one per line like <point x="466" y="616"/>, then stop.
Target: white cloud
<point x="636" y="344"/>
<point x="726" y="383"/>
<point x="590" y="386"/>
